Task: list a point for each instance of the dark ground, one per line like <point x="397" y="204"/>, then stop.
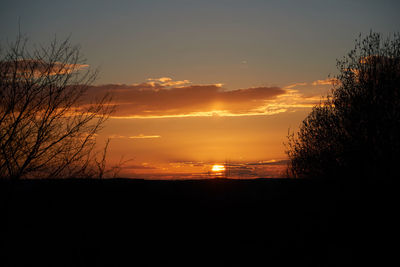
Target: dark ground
<point x="189" y="223"/>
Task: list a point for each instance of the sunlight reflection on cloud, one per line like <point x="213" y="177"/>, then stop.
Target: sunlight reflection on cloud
<point x="165" y="98"/>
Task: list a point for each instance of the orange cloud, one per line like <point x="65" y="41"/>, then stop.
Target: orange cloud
<point x="160" y="99"/>
<point x="164" y="98"/>
<point x="167" y="82"/>
<point x="142" y="136"/>
<point x="39" y="68"/>
<point x="328" y="81"/>
<point x="295" y="85"/>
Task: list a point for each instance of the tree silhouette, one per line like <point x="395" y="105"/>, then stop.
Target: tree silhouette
<point x="355" y="131"/>
<point x="47" y="126"/>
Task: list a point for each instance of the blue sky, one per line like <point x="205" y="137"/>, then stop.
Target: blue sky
<point x="238" y="43"/>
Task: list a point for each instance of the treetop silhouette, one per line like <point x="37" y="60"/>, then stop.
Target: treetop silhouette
<point x="355" y="130"/>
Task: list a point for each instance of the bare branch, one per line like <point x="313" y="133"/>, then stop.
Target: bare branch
<point x="45" y="127"/>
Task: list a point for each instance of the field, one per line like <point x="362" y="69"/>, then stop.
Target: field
<point x="123" y="222"/>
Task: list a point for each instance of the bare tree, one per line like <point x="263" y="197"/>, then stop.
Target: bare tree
<point x="48" y="126"/>
<point x="355" y="132"/>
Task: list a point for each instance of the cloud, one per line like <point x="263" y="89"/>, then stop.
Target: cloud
<point x="162" y="79"/>
<point x="239" y="169"/>
<point x="165" y="98"/>
<point x="142" y="136"/>
<point x="294" y="99"/>
<point x="39" y="68"/>
<point x="167" y="82"/>
<point x="268" y="162"/>
<point x="308" y="94"/>
<point x="295" y="85"/>
<point x="139" y="167"/>
<point x="117" y="136"/>
<point x="328" y="81"/>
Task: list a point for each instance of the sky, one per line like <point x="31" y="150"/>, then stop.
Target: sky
<point x="199" y="83"/>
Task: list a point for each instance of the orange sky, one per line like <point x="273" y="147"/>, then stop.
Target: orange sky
<point x="176" y="129"/>
<point x="203" y="82"/>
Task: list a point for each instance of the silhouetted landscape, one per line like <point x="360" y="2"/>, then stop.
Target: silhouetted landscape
<point x="193" y="223"/>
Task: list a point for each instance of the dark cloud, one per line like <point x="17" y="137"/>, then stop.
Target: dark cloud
<point x="157" y="100"/>
<point x="272" y="162"/>
<point x="139" y="167"/>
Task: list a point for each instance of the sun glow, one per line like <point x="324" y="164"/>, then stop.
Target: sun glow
<point x="218" y="168"/>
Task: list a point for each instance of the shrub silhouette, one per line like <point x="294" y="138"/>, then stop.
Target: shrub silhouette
<point x="47" y="128"/>
<point x="355" y="130"/>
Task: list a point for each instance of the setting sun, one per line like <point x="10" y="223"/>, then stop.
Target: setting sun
<point x="218" y="168"/>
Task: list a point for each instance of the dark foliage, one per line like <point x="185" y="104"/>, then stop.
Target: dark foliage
<point x="355" y="131"/>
